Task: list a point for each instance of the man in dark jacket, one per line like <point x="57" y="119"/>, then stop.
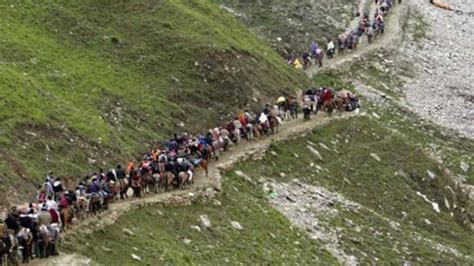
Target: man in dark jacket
<point x="12" y="221"/>
<point x="120" y="172"/>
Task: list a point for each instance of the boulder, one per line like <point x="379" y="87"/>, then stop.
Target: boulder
<point x="128" y="232"/>
<point x="135" y="257"/>
<point x="464" y="167"/>
<point x="376" y="157"/>
<point x="205" y="222"/>
<point x="315" y="152"/>
<point x="431" y="174"/>
<point x="236" y="225"/>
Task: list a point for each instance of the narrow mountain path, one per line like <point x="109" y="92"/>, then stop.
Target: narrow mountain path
<point x="207" y="186"/>
<point x="393" y="28"/>
<point x="204" y="186"/>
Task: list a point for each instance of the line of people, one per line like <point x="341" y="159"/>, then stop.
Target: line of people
<point x="35" y="229"/>
<point x="327" y="99"/>
<point x="348" y="40"/>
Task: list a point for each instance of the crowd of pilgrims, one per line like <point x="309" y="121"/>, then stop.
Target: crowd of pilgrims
<point x="35" y="229"/>
<point x="348" y="40"/>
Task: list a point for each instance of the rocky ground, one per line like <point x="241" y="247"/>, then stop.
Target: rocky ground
<point x="289" y="26"/>
<point x="314" y="209"/>
<point x="443" y="91"/>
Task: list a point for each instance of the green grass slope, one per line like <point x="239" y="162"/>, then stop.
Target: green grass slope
<point x="393" y="226"/>
<point x="167" y="234"/>
<point x="87" y="83"/>
<point x="389" y="188"/>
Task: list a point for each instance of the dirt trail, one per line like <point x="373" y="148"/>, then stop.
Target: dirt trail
<point x="208" y="186"/>
<point x="204" y="186"/>
<point x="393" y="28"/>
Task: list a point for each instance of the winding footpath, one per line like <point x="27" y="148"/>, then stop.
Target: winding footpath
<point x="390" y="39"/>
<point x="208" y="187"/>
<point x="204" y="187"/>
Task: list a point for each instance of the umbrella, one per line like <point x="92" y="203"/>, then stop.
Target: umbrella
<point x="281" y="99"/>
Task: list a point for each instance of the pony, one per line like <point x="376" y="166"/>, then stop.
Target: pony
<point x="168" y="180"/>
<point x="274" y="124"/>
<point x="26" y="243"/>
<point x="319" y="57"/>
<point x="341" y="43"/>
<point x="156" y="177"/>
<point x="257" y="131"/>
<point x="148" y="182"/>
<point x="80" y="208"/>
<point x="55" y="238"/>
<point x="3" y="249"/>
<point x="122" y="186"/>
<point x="136" y="183"/>
<point x="183" y="179"/>
<point x="8" y="254"/>
<point x="44" y="239"/>
<point x="94" y="204"/>
<point x="203" y="163"/>
<point x="355" y="41"/>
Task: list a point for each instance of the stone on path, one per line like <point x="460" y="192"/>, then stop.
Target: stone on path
<point x="205" y="222"/>
<point x="236" y="225"/>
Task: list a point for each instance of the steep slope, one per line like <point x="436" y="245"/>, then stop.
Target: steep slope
<point x="176" y="235"/>
<point x="86" y="84"/>
<point x="366" y="189"/>
<point x="291" y="25"/>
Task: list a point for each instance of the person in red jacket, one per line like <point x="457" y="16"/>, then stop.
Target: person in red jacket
<point x="64" y="206"/>
<point x="54" y="216"/>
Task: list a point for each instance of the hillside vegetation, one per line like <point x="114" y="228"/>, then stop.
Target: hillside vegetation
<point x="174" y="235"/>
<point x="291" y="25"/>
<point x="379" y="171"/>
<point x="86" y="84"/>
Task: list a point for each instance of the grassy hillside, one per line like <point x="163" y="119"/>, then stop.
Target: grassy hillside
<point x="394" y="223"/>
<point x="387" y="190"/>
<point x="167" y="234"/>
<point x="85" y="84"/>
<point x="296" y="22"/>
